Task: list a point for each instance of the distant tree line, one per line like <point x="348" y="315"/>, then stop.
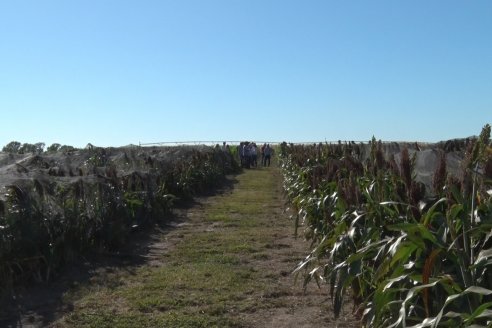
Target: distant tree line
<point x="15" y="147"/>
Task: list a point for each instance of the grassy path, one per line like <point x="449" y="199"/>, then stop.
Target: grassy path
<point x="226" y="263"/>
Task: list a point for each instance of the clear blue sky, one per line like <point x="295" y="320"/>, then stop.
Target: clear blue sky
<point x="118" y="72"/>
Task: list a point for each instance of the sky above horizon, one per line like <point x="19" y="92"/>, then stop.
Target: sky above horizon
<point x="113" y="73"/>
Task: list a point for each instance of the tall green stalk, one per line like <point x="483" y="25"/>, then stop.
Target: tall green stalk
<point x="399" y="250"/>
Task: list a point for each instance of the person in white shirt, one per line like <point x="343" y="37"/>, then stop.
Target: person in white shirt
<point x="254" y="155"/>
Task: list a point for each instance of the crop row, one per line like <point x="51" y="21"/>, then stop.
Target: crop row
<point x="407" y="254"/>
<point x="53" y="212"/>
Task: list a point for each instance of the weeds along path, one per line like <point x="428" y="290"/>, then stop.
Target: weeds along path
<point x="227" y="263"/>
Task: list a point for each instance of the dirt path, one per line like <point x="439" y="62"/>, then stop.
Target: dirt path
<point x="225" y="262"/>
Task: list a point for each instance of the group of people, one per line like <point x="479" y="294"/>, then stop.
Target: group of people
<point x="248" y="154"/>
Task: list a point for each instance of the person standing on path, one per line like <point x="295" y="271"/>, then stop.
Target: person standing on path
<point x="241" y="154"/>
<point x="262" y="151"/>
<point x="247" y="155"/>
<point x="268" y="155"/>
<point x="254" y="155"/>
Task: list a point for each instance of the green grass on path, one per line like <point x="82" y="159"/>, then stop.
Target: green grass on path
<point x="207" y="278"/>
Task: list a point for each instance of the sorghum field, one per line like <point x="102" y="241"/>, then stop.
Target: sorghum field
<point x="388" y="235"/>
<point x="409" y="248"/>
<point x="63" y="203"/>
